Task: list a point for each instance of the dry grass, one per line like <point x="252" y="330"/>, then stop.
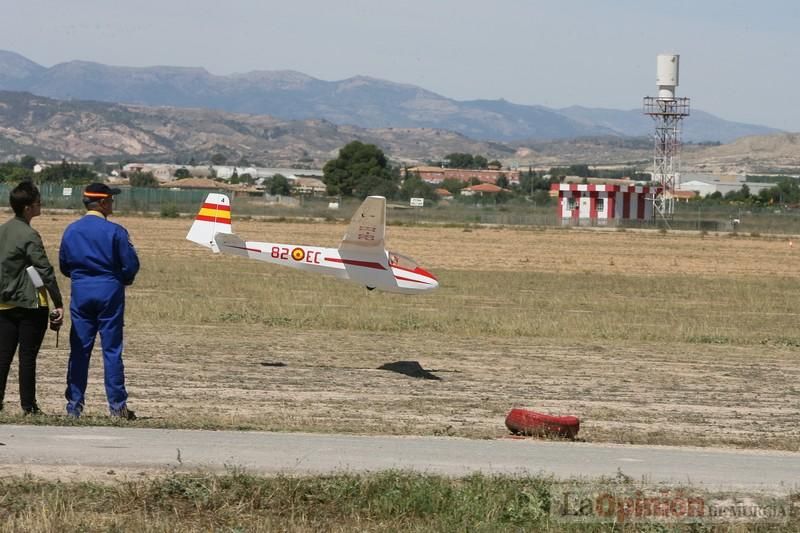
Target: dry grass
<point x="386" y="501"/>
<point x="647" y="337"/>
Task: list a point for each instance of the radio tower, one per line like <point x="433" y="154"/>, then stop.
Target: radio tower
<point x="667" y="111"/>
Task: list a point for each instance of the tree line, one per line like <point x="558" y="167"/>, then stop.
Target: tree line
<point x="362" y="170"/>
<point x="65" y="172"/>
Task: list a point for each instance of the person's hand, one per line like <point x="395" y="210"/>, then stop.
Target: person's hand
<point x="56" y="317"/>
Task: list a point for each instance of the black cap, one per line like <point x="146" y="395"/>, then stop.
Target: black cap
<point x="98" y="191"/>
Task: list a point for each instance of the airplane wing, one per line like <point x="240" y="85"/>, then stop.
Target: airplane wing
<point x="367" y="227"/>
<point x="231" y="244"/>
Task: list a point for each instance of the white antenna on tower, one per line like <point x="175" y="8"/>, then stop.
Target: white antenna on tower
<point x="667" y="111"/>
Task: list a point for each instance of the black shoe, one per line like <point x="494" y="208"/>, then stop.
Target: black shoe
<point x="124" y="414"/>
<point x="32" y="410"/>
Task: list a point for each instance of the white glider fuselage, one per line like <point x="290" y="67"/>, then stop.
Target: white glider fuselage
<point x="361" y="257"/>
<point x="375" y="272"/>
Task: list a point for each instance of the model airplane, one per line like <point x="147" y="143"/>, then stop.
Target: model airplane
<point x="361" y="257"/>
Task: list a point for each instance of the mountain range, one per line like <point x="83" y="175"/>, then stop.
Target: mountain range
<point x="360" y="101"/>
<point x="80" y="130"/>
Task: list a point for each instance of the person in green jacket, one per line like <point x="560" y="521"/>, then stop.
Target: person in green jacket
<point x="23" y="294"/>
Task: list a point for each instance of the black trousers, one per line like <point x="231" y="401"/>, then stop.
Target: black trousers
<point x="24" y="328"/>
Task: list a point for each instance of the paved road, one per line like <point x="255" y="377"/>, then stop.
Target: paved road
<point x="292" y="453"/>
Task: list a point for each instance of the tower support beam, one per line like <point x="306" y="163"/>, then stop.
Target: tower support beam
<point x="667" y="112"/>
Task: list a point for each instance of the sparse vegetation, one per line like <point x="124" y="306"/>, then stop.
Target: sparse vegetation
<point x="387" y="501"/>
<point x="390" y="501"/>
<point x="169" y="211"/>
<point x="619" y="328"/>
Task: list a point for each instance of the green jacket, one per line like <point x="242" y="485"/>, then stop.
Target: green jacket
<point x="20" y="247"/>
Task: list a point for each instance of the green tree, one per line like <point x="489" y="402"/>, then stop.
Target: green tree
<point x="785" y="192"/>
<point x="416" y="187"/>
<point x="460" y="160"/>
<point x="530" y="182"/>
<point x="740" y="196"/>
<point x="789" y="191"/>
<point x="360" y="170"/>
<point x="279" y="185"/>
<point x="27" y="162"/>
<point x="182" y="173"/>
<point x="580" y="170"/>
<point x="99" y="166"/>
<point x="541" y="197"/>
<point x="143" y="179"/>
<point x="502" y="181"/>
<point x="480" y="162"/>
<point x="67" y="172"/>
<point x="375" y="186"/>
<point x="453" y="185"/>
<point x="14" y="173"/>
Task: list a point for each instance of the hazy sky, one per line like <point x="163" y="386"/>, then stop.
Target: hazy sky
<point x="740" y="59"/>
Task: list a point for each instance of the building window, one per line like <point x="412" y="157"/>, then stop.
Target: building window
<point x="601" y="205"/>
<point x="570" y="203"/>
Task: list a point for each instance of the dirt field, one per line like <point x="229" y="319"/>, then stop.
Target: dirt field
<point x="647" y="337"/>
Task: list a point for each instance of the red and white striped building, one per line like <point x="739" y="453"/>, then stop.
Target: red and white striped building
<point x="598" y="204"/>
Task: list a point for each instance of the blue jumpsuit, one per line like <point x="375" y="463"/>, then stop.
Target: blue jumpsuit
<point x="98" y="257"/>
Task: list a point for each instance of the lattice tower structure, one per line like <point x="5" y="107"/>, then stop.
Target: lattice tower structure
<point x="667" y="114"/>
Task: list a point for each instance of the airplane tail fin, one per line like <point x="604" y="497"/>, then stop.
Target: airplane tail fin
<point x="214" y="217"/>
<point x="367" y="227"/>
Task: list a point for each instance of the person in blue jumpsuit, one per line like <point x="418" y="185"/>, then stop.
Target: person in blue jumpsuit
<point x="98" y="257"/>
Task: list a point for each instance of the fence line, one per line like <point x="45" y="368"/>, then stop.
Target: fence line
<point x="169" y="202"/>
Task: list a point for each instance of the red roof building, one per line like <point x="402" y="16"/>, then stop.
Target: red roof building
<point x="443" y="193"/>
<point x="482" y="189"/>
<point x="437" y="174"/>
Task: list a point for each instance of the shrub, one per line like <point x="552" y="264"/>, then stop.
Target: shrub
<point x="169" y="211"/>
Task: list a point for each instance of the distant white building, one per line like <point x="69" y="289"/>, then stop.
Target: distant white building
<point x="311" y="186"/>
<point x="268" y="172"/>
<point x="164" y="173"/>
<point x="705" y="184"/>
<point x="134" y="167"/>
<point x="225" y="172"/>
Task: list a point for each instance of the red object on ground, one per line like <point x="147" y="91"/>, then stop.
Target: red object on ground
<point x="524" y="422"/>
